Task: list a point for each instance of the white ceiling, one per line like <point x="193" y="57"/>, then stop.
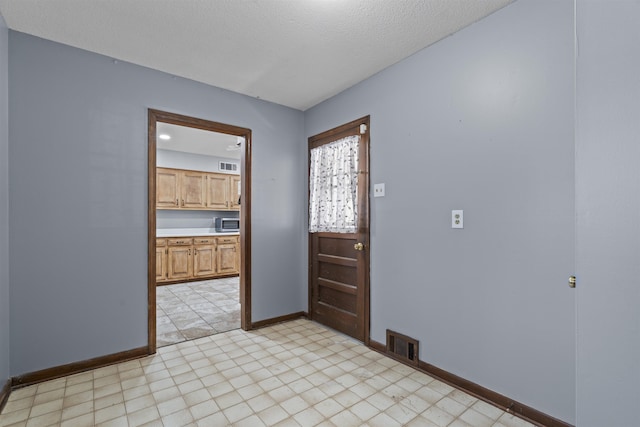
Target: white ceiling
<point x="292" y="52"/>
<point x="192" y="140"/>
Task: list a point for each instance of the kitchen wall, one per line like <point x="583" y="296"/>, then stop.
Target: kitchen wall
<point x="181" y="160"/>
<point x="4" y="204"/>
<point x="78" y="216"/>
<point x="608" y="209"/>
<point x="481" y="121"/>
<point x="190" y="218"/>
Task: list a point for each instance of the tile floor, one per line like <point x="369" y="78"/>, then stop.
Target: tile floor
<point x="191" y="310"/>
<point x="297" y="373"/>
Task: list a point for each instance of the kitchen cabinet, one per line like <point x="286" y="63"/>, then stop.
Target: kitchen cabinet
<point x="204" y="257"/>
<point x="227" y="254"/>
<point x="192" y="186"/>
<point x="218" y="191"/>
<point x="179" y="259"/>
<point x="167" y="188"/>
<point x="234" y="191"/>
<point x="188" y="258"/>
<point x="195" y="190"/>
<point x="161" y="260"/>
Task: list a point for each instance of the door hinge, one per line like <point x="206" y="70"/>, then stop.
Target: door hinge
<point x="363" y="129"/>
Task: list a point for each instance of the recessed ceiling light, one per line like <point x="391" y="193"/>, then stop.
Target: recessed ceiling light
<point x="164" y="136"/>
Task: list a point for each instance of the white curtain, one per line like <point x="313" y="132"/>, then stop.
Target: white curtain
<point x="333" y="187"/>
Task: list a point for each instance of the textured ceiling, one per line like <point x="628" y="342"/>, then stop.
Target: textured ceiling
<point x="292" y="52"/>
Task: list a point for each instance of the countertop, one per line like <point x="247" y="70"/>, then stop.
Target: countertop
<point x="188" y="232"/>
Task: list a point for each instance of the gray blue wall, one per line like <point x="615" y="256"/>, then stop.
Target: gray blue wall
<point x="480" y="121"/>
<point x="78" y="217"/>
<point x="608" y="206"/>
<point x="4" y="203"/>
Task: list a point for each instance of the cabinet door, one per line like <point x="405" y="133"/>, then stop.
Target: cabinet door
<point x="167" y="188"/>
<point x="217" y="191"/>
<point x="204" y="260"/>
<point x="226" y="257"/>
<point x="193" y="189"/>
<point x="179" y="262"/>
<point x="234" y="191"/>
<point x="161" y="264"/>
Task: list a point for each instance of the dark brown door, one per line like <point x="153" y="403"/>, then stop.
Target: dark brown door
<point x="339" y="261"/>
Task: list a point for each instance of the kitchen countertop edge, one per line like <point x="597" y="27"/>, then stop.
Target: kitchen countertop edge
<point x="191" y="232"/>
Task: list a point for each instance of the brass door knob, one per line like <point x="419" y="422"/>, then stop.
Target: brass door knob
<point x="358" y="246"/>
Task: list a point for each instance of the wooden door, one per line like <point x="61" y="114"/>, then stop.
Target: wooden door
<point x="179" y="262"/>
<point x="167" y="188"/>
<point x="339" y="262"/>
<point x="204" y="260"/>
<point x="234" y="192"/>
<point x="193" y="189"/>
<point x="217" y="191"/>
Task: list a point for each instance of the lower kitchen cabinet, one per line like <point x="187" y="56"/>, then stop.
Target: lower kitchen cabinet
<point x="161" y="260"/>
<point x="179" y="260"/>
<point x="185" y="258"/>
<point x="227" y="258"/>
<point x="204" y="257"/>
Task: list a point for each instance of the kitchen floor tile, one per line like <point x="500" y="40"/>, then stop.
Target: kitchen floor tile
<point x="187" y="311"/>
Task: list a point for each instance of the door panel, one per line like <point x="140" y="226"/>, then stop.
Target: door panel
<point x="204" y="260"/>
<point x="193" y="189"/>
<point x="167" y="182"/>
<point x="217" y="191"/>
<point x="338" y="271"/>
<point x="179" y="262"/>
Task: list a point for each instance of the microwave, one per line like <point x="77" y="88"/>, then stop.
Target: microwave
<point x="227" y="224"/>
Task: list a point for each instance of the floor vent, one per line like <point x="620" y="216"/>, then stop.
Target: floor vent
<point x="402" y="347"/>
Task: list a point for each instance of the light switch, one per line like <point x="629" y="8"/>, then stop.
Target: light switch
<point x="457" y="219"/>
<point x="378" y="190"/>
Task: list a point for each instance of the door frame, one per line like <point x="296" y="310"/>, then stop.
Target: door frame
<point x="155" y="116"/>
<point x="363" y="216"/>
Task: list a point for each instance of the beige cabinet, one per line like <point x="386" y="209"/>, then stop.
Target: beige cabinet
<point x="186" y="258"/>
<point x="217" y="191"/>
<point x="227" y="254"/>
<point x="234" y="191"/>
<point x="161" y="260"/>
<point x="192" y="186"/>
<point x="167" y="188"/>
<point x="179" y="259"/>
<point x="188" y="189"/>
<point x="204" y="257"/>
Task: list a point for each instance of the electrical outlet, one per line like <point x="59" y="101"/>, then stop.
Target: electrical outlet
<point x="457" y="219"/>
<point x="378" y="190"/>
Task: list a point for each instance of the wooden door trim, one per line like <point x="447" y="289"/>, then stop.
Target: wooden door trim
<point x="155" y="116"/>
<point x="342" y="131"/>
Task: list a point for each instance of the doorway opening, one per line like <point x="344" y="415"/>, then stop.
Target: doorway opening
<point x="199" y="227"/>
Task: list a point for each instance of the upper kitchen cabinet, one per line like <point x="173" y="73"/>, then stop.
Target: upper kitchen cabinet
<point x="167" y="188"/>
<point x="193" y="190"/>
<point x="235" y="192"/>
<point x="189" y="189"/>
<point x="218" y="191"/>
